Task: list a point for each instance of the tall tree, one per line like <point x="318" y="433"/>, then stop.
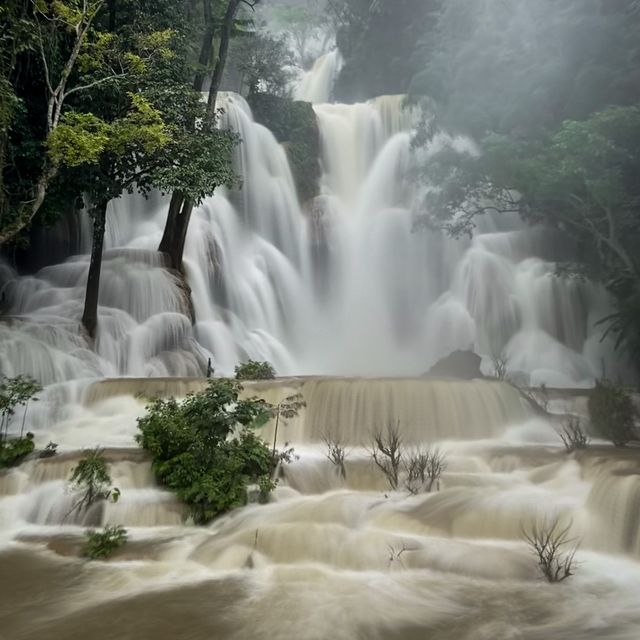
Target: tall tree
<point x="182" y="203"/>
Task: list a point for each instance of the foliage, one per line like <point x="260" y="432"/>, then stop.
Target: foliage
<point x="554" y="549"/>
<point x="15" y="450"/>
<point x="255" y="370"/>
<point x="102" y="544"/>
<point x="294" y="124"/>
<point x="91" y="477"/>
<point x="203" y="448"/>
<point x="612" y="413"/>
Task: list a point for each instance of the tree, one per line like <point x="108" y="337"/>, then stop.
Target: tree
<point x="15" y="392"/>
<point x="377" y="42"/>
<point x="182" y="201"/>
<point x="301" y="24"/>
<point x="266" y="63"/>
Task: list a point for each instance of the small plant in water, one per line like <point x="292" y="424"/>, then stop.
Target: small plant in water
<point x="102" y="544"/>
<point x="572" y="435"/>
<point x="554" y="549"/>
<point x="424" y="469"/>
<point x="49" y="451"/>
<point x="336" y="453"/>
<point x="91" y="477"/>
<point x="386" y="452"/>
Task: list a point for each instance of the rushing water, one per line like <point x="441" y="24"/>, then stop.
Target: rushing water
<point x="331" y="556"/>
<point x="340" y="285"/>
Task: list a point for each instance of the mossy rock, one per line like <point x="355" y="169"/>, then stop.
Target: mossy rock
<point x="295" y="126"/>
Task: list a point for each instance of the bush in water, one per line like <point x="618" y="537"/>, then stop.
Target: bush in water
<point x="253" y="370"/>
<point x="14" y="451"/>
<point x="204" y="448"/>
<point x="102" y="544"/>
<point x="612" y="413"/>
<point x="554" y="549"/>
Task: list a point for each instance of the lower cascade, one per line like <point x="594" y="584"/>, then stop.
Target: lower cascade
<point x="403" y="561"/>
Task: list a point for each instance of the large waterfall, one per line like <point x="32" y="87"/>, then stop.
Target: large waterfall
<point x="342" y="285"/>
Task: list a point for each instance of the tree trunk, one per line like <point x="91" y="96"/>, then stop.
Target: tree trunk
<point x="90" y="314"/>
<point x="175" y="230"/>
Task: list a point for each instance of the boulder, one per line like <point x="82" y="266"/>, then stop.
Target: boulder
<point x="464" y="365"/>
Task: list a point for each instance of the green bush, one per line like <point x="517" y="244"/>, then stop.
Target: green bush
<point x="612" y="413"/>
<point x="203" y="448"/>
<point x="253" y="370"/>
<point x="102" y="544"/>
<point x="14" y="451"/>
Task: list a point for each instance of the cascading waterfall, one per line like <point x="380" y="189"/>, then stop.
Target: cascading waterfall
<point x="384" y="299"/>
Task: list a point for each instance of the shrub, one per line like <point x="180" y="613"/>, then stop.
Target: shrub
<point x="102" y="544"/>
<point x="14" y="451"/>
<point x="336" y="453"/>
<point x="424" y="469"/>
<point x="253" y="370"/>
<point x="554" y="549"/>
<point x="387" y="454"/>
<point x="196" y="454"/>
<point x="572" y="435"/>
<point x="612" y="413"/>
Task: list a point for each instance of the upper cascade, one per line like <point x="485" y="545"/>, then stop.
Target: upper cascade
<point x="346" y="286"/>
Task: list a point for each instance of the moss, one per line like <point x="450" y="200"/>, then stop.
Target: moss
<point x="294" y="125"/>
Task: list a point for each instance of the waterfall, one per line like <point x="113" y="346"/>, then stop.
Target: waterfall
<point x="350" y="289"/>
